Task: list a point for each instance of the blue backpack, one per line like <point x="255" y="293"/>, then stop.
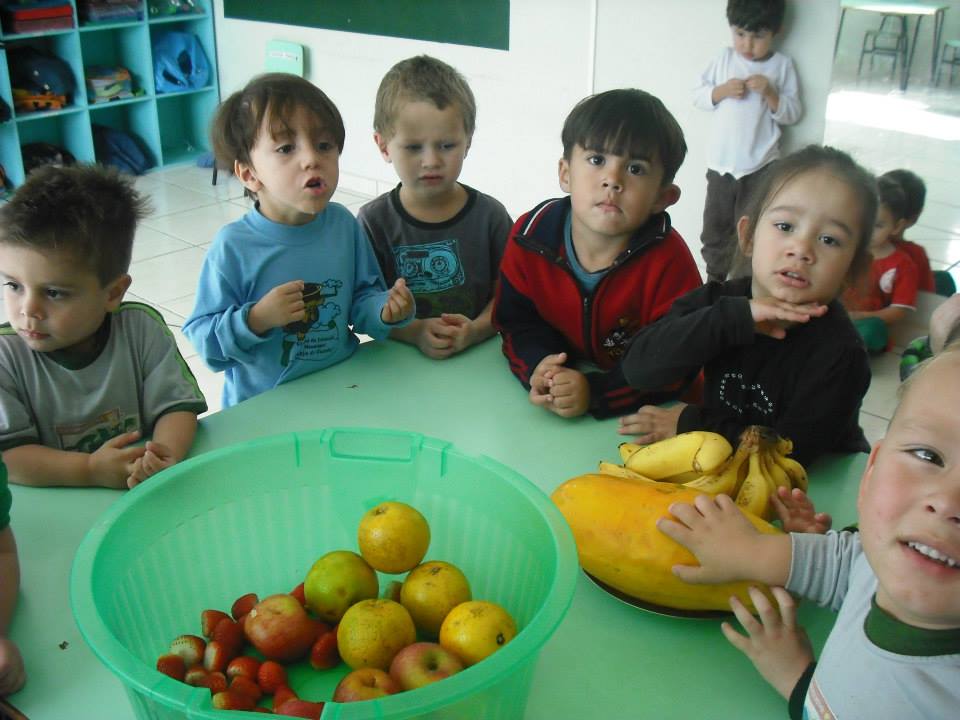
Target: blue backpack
<point x="120" y="150"/>
<point x="37" y="71"/>
<point x="179" y="63"/>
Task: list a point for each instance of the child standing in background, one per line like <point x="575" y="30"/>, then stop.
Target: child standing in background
<point x="12" y="674"/>
<point x="894" y="651"/>
<point x="84" y="375"/>
<point x="887" y="292"/>
<point x="776" y="348"/>
<point x="443" y="237"/>
<point x="752" y="90"/>
<point x="283" y="290"/>
<point x="582" y="274"/>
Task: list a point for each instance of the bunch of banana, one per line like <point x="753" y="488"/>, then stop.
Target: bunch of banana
<point x="706" y="462"/>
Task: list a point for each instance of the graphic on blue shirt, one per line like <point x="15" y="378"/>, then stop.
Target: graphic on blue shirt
<point x="314" y="337"/>
<point x="430" y="267"/>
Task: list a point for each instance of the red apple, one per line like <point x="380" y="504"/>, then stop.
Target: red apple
<point x="300" y="708"/>
<point x="365" y="684"/>
<point x="423" y="663"/>
<point x="280" y="628"/>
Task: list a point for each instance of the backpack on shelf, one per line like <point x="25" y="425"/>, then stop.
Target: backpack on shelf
<point x="121" y="150"/>
<point x="37" y="154"/>
<point x="40" y="79"/>
<point x="179" y="62"/>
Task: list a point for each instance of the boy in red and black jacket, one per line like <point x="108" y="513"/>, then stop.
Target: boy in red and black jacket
<point x="581" y="274"/>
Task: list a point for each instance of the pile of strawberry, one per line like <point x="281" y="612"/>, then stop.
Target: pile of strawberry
<point x="239" y="681"/>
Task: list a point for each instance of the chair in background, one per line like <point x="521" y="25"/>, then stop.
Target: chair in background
<point x="284" y="57"/>
<point x="890" y="39"/>
<point x="949" y="55"/>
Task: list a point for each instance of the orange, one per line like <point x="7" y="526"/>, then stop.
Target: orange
<point x="432" y="590"/>
<point x="393" y="537"/>
<point x="476" y="629"/>
<point x="372" y="632"/>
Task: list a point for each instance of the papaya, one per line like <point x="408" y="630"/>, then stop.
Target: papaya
<point x="614" y="525"/>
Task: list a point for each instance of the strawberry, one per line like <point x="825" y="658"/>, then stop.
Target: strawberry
<point x="281" y="695"/>
<point x="246" y="686"/>
<point x="300" y="708"/>
<point x="216" y="681"/>
<point x="232" y="700"/>
<point x="271" y="677"/>
<point x="230" y="635"/>
<point x="324" y="653"/>
<point x="298" y="593"/>
<point x="196" y="676"/>
<point x="243" y="665"/>
<point x="243" y="604"/>
<point x="216" y="658"/>
<point x="190" y="648"/>
<point x="209" y="620"/>
<point x="172" y="665"/>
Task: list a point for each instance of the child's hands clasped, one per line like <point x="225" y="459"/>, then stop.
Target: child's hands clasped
<point x="12" y="673"/>
<point x="399" y="305"/>
<point x="778" y="648"/>
<point x="652" y="423"/>
<point x="156" y="458"/>
<point x="281" y="306"/>
<point x="441" y="337"/>
<point x="797" y="513"/>
<point x="561" y="390"/>
<point x="771" y="316"/>
<point x="732" y="88"/>
<point x="112" y="463"/>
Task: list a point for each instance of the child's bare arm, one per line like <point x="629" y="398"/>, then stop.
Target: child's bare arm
<point x="797" y="513"/>
<point x="725" y="544"/>
<point x="778" y="648"/>
<point x="108" y="466"/>
<point x="172" y="437"/>
<point x="12" y="675"/>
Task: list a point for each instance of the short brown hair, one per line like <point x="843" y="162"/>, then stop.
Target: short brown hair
<point x="88" y="211"/>
<point x="422" y="78"/>
<point x="276" y="96"/>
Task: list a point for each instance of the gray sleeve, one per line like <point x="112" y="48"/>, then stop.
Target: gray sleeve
<point x="168" y="383"/>
<point x="16" y="422"/>
<point x="500" y="226"/>
<point x="820" y="566"/>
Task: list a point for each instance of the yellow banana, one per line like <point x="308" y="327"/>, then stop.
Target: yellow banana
<point x="682" y="478"/>
<point x="754" y="493"/>
<point x="627" y="449"/>
<point x="608" y="468"/>
<point x="794" y="470"/>
<point x="700" y="451"/>
<point x="784" y="445"/>
<point x="773" y="471"/>
<point x="727" y="478"/>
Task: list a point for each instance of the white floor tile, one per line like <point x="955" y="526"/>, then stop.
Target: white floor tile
<point x="150" y="243"/>
<point x="200" y="179"/>
<point x="211" y="383"/>
<point x="182" y="306"/>
<point x="873" y="427"/>
<point x="167" y="277"/>
<point x="196" y="226"/>
<point x="166" y="198"/>
<point x="881" y="398"/>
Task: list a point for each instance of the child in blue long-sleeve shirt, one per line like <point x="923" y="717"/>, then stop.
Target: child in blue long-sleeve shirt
<point x="284" y="289"/>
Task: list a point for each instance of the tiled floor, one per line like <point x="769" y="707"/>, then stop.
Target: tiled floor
<point x="188" y="210"/>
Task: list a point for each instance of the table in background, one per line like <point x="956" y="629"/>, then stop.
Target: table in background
<point x="606" y="659"/>
<point x="905" y="10"/>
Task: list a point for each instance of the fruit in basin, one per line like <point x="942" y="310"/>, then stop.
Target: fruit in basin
<point x="372" y="632"/>
<point x="393" y="537"/>
<point x="432" y="590"/>
<point x="365" y="684"/>
<point x="336" y="581"/>
<point x="423" y="663"/>
<point x="476" y="629"/>
<point x="280" y="628"/>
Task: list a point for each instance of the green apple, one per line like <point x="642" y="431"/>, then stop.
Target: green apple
<point x="336" y="581"/>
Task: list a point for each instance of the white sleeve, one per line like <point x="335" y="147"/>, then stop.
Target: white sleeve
<point x="820" y="566"/>
<point x="789" y="110"/>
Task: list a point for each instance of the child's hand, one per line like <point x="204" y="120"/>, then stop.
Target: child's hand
<point x="156" y="458"/>
<point x="542" y="375"/>
<point x="651" y="423"/>
<point x="459" y="329"/>
<point x="797" y="514"/>
<point x="399" y="305"/>
<point x="570" y="393"/>
<point x="770" y="314"/>
<point x="279" y="307"/>
<point x="717" y="533"/>
<point x="732" y="88"/>
<point x="778" y="648"/>
<point x="112" y="463"/>
<point x="760" y="84"/>
<point x="12" y="673"/>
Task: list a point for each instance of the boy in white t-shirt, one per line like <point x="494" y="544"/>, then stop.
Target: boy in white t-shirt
<point x="753" y="90"/>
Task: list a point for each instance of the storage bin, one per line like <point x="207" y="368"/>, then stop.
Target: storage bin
<point x="255" y="516"/>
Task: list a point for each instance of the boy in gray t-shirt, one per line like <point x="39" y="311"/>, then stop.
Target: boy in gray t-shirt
<point x="445" y="238"/>
<point x="894" y="651"/>
<point x="82" y="375"/>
